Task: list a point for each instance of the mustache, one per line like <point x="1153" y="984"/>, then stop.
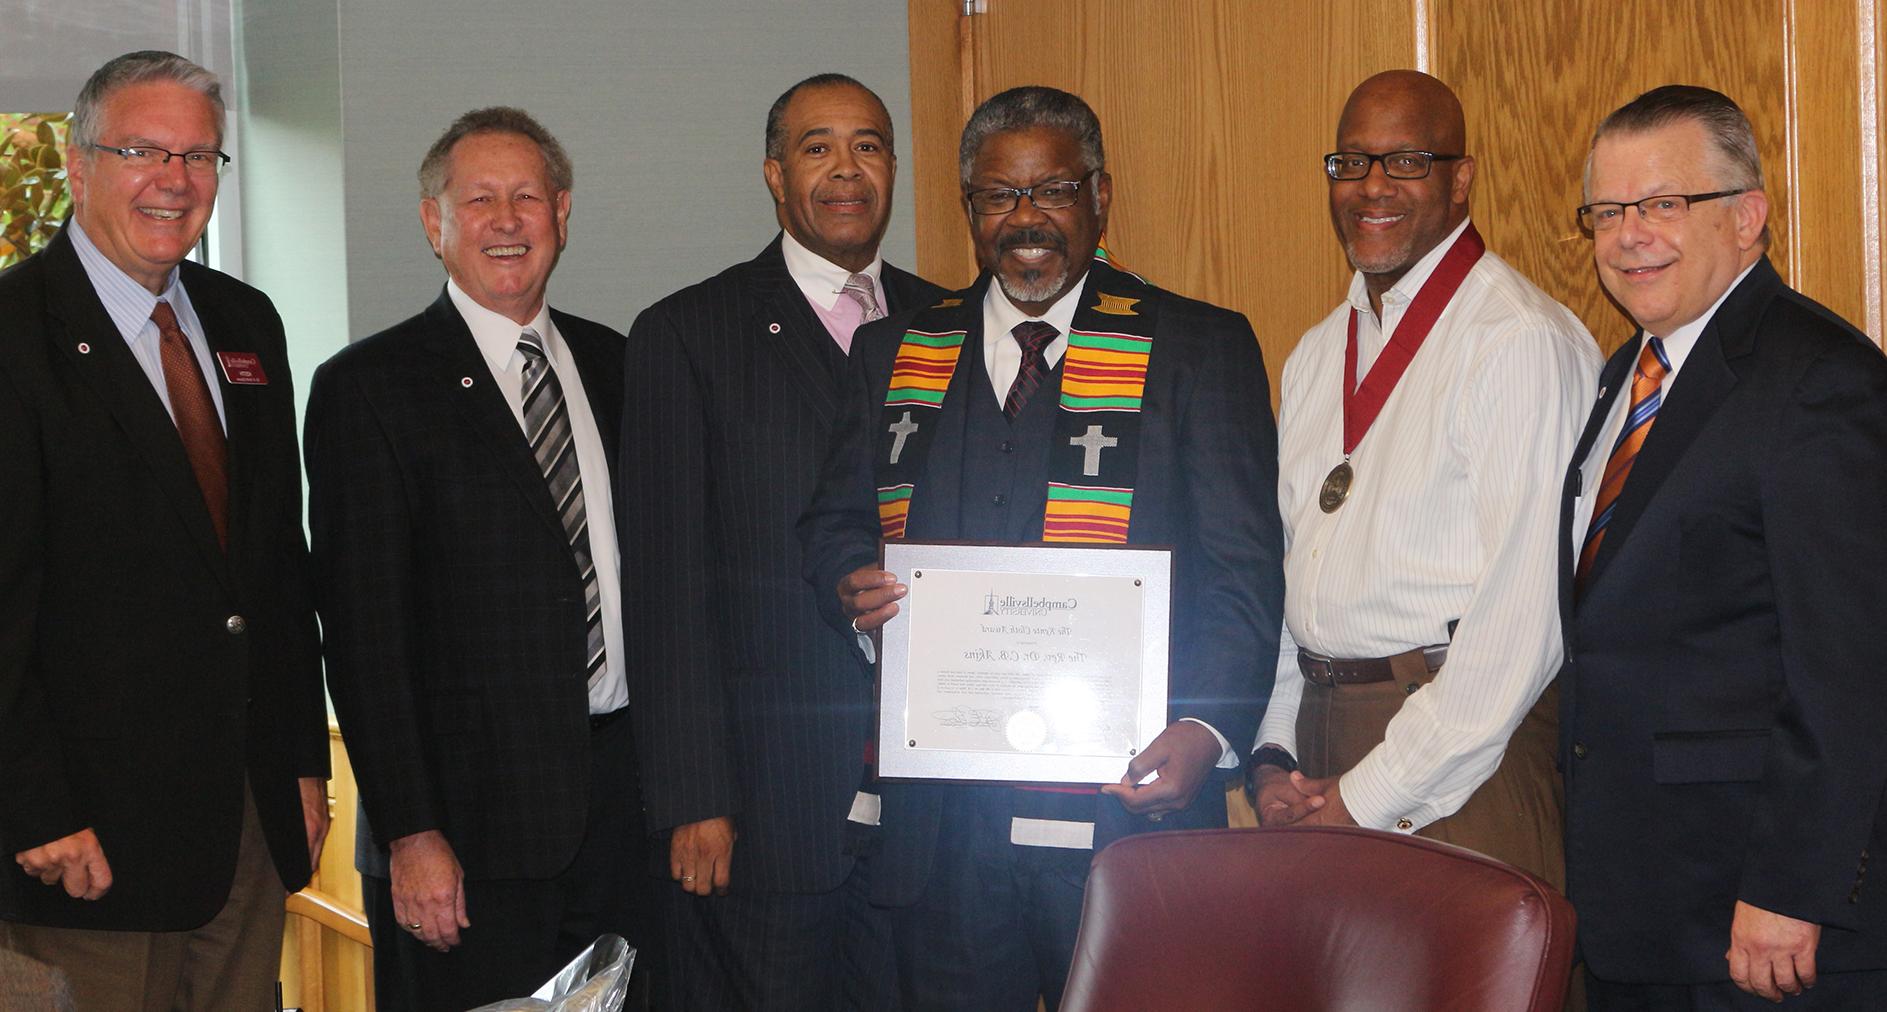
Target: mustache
<point x="1032" y="238"/>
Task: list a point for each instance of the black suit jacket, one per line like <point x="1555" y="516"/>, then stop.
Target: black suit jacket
<point x="1207" y="486"/>
<point x="132" y="698"/>
<point x="1723" y="700"/>
<point x="747" y="704"/>
<point x="452" y="605"/>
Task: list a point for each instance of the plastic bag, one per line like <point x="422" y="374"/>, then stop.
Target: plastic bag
<point x="596" y="981"/>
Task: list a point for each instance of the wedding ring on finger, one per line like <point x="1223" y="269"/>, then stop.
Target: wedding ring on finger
<point x="414" y="927"/>
<point x="687" y="878"/>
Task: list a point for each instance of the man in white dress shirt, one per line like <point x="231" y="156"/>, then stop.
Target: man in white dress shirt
<point x="1423" y="426"/>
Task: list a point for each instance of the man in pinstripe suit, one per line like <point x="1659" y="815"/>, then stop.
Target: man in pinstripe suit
<point x="459" y="476"/>
<point x="752" y="715"/>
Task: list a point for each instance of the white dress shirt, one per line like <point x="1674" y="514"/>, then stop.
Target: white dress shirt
<point x="821" y="279"/>
<point x="1676" y="349"/>
<point x="129" y="305"/>
<point x="497" y="338"/>
<point x="1453" y="515"/>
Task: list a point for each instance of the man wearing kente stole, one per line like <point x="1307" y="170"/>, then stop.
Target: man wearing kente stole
<point x="1057" y="399"/>
<point x="1424" y="425"/>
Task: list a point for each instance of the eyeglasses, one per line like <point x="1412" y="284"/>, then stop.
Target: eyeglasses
<point x="1045" y="196"/>
<point x="1395" y="164"/>
<point x="197" y="163"/>
<point x="1665" y="207"/>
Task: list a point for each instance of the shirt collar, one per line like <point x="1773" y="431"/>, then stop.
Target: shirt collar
<point x="821" y="279"/>
<point x="495" y="333"/>
<point x="1679" y="342"/>
<point x="128" y="303"/>
<point x="1002" y="315"/>
<point x="1403" y="291"/>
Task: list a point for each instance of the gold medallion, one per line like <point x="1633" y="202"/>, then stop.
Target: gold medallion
<point x="1336" y="488"/>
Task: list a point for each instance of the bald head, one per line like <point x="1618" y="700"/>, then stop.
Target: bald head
<point x="1424" y="105"/>
<point x="1387" y="223"/>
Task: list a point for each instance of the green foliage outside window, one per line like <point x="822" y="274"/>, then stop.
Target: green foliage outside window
<point x="33" y="196"/>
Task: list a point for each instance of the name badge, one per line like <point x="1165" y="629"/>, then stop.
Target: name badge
<point x="242" y="368"/>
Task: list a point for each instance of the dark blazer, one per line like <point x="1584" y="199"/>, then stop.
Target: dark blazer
<point x="144" y="672"/>
<point x="452" y="605"/>
<point x="1207" y="486"/>
<point x="1722" y="701"/>
<point x="747" y="704"/>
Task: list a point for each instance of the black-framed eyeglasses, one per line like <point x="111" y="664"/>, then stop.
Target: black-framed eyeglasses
<point x="1665" y="207"/>
<point x="1048" y="196"/>
<point x="201" y="163"/>
<point x="1349" y="165"/>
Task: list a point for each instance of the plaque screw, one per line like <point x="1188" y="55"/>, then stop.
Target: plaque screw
<point x="1136" y="583"/>
<point x="918" y="575"/>
<point x="1133" y="751"/>
<point x="911" y="744"/>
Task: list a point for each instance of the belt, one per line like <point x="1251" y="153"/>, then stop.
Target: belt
<point x="599" y="721"/>
<point x="1321" y="670"/>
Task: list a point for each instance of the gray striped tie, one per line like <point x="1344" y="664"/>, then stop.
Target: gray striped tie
<point x="858" y="286"/>
<point x="547" y="423"/>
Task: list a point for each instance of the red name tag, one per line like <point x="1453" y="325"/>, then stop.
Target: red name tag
<point x="243" y="367"/>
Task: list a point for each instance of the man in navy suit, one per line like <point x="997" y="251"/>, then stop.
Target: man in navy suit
<point x="1722" y="590"/>
<point x="752" y="714"/>
<point x="459" y="473"/>
<point x="1150" y="414"/>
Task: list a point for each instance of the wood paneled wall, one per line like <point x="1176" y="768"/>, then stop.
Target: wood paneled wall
<point x="1215" y="114"/>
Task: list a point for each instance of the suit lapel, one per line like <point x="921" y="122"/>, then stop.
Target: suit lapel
<point x="902" y="290"/>
<point x="122" y="386"/>
<point x="1611" y="379"/>
<point x="1701" y="386"/>
<point x="783" y="322"/>
<point x="243" y="427"/>
<point x="483" y="406"/>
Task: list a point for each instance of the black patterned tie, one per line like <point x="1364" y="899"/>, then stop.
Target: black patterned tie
<point x="1033" y="336"/>
<point x="547" y="423"/>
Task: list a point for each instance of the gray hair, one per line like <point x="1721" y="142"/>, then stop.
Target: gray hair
<point x="140" y="67"/>
<point x="776" y="113"/>
<point x="1027" y="108"/>
<point x="1728" y="129"/>
<point x="497" y="119"/>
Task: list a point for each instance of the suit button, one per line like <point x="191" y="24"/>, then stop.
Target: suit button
<point x="999" y="500"/>
<point x="1404" y="825"/>
<point x="236" y="625"/>
<point x="1008" y="447"/>
<point x="1579" y="751"/>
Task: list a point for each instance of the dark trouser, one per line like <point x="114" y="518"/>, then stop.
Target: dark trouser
<point x="230" y="963"/>
<point x="1836" y="992"/>
<point x="1513" y="817"/>
<point x="779" y="951"/>
<point x="524" y="930"/>
<point x="995" y="927"/>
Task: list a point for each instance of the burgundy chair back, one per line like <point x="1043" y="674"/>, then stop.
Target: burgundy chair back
<point x="1314" y="918"/>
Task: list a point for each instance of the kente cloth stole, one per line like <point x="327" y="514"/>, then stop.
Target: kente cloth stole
<point x="1096" y="453"/>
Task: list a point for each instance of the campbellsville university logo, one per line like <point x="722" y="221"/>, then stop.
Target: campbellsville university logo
<point x="1009" y="604"/>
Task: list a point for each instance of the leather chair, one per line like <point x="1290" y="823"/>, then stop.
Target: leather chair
<point x="1309" y="918"/>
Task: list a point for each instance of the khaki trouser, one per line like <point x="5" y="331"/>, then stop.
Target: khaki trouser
<point x="1514" y="817"/>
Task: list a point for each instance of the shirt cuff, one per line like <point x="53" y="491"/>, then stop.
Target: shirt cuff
<point x="1228" y="759"/>
<point x="865" y="647"/>
<point x="1376" y="802"/>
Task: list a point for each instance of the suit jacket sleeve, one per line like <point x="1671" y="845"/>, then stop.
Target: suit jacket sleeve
<point x="39" y="805"/>
<point x="839" y="532"/>
<point x="678" y="663"/>
<point x="363" y="550"/>
<point x="1231" y="600"/>
<point x="1823" y="780"/>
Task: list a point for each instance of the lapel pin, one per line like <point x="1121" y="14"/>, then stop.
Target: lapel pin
<point x="84" y="349"/>
<point x="1602" y="392"/>
<point x="773" y="328"/>
<point x="466" y="382"/>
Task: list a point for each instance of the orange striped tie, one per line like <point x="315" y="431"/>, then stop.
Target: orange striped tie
<point x="1645" y="387"/>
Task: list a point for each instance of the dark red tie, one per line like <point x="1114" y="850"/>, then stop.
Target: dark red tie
<point x="195" y="414"/>
<point x="1033" y="336"/>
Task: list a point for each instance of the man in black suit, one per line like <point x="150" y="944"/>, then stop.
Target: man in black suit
<point x="1722" y="591"/>
<point x="459" y="482"/>
<point x="986" y="881"/>
<point x="163" y="741"/>
<point x="752" y="714"/>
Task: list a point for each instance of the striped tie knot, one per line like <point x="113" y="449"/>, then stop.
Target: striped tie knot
<point x="858" y="287"/>
<point x="1646" y="396"/>
<point x="1032" y="336"/>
